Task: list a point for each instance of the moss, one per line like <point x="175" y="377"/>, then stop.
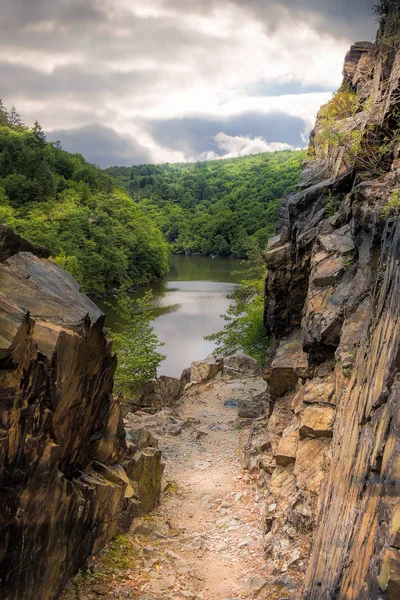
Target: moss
<point x="172" y="488"/>
<point x="120" y="554"/>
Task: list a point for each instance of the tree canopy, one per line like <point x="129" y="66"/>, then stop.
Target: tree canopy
<point x="225" y="207"/>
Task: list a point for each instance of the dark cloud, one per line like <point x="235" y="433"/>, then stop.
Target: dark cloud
<point x="72" y="64"/>
<point x="29" y="12"/>
<point x="101" y="145"/>
<point x="193" y="136"/>
<point x="72" y="80"/>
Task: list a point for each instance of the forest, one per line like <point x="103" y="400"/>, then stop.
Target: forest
<point x="224" y="207"/>
<point x="93" y="228"/>
<point x="115" y="229"/>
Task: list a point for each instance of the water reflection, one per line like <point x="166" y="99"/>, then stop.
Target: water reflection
<point x="188" y="303"/>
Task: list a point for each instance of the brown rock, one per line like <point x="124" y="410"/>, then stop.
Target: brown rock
<point x="311" y="464"/>
<point x="64" y="494"/>
<point x="315" y="391"/>
<point x="204" y="370"/>
<point x="317" y="421"/>
<point x="290" y="364"/>
<point x="327" y="272"/>
<point x="287" y="448"/>
<point x="241" y="365"/>
<point x="160" y="393"/>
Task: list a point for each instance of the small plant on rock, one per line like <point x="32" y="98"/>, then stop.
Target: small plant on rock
<point x="392" y="208"/>
<point x="330" y="206"/>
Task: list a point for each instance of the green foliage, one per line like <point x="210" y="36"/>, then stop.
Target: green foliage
<point x="223" y="207"/>
<point x="368" y="147"/>
<point x="244" y="330"/>
<point x="57" y="199"/>
<point x="136" y="345"/>
<point x="347" y="262"/>
<point x="392" y="208"/>
<point x="330" y="206"/>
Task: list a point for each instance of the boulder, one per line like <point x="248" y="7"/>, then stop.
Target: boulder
<point x="204" y="370"/>
<point x="252" y="407"/>
<point x="160" y="393"/>
<point x="141" y="438"/>
<point x="240" y="365"/>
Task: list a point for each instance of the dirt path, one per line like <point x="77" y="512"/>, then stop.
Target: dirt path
<point x="204" y="541"/>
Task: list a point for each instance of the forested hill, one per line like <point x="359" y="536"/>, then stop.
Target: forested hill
<point x="217" y="207"/>
<point x="93" y="229"/>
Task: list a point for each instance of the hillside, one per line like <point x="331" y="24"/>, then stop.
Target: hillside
<point x="226" y="207"/>
<point x="57" y="199"/>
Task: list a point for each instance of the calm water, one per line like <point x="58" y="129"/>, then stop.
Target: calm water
<point x="188" y="304"/>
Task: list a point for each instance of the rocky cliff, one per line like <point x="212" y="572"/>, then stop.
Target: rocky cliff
<point x="328" y="453"/>
<point x="68" y="479"/>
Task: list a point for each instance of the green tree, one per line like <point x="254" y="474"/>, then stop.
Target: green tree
<point x="39" y="133"/>
<point x="137" y="345"/>
<point x="244" y="330"/>
<point x="14" y="118"/>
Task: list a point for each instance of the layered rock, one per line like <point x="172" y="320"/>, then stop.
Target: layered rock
<point x="328" y="453"/>
<point x="62" y="441"/>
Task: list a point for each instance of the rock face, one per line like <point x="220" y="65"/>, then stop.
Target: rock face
<point x="64" y="493"/>
<point x="328" y="453"/>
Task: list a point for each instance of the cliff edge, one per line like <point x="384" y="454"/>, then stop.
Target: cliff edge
<point x="328" y="454"/>
<point x="66" y="472"/>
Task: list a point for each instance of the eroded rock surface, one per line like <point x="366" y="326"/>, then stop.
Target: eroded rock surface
<point x="327" y="455"/>
<point x="64" y="491"/>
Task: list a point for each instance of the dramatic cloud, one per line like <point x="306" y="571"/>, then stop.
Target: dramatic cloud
<point x="102" y="144"/>
<point x="162" y="79"/>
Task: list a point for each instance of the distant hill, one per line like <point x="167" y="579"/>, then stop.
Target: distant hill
<point x="225" y="207"/>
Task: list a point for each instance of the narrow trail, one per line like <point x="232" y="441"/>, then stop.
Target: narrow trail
<point x="204" y="542"/>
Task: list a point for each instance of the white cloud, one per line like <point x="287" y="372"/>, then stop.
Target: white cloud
<point x="242" y="145"/>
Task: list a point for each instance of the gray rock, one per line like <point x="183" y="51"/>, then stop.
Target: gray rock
<point x="231" y="403"/>
<point x="340" y="241"/>
<point x="239" y="365"/>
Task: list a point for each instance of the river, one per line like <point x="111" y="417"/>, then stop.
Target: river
<point x="188" y="303"/>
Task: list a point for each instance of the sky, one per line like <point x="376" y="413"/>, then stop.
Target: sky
<point x="131" y="81"/>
